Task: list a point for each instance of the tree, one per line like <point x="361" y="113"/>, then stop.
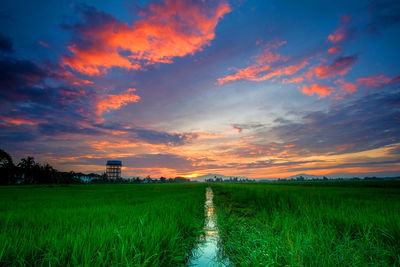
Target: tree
<point x="7" y="169"/>
<point x="29" y="168"/>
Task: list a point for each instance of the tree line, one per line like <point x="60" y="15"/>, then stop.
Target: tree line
<point x="27" y="171"/>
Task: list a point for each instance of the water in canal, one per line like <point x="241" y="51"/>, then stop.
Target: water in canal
<point x="207" y="252"/>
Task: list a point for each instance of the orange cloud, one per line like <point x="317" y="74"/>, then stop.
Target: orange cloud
<point x="322" y="91"/>
<point x="16" y="121"/>
<point x="175" y="28"/>
<point x="116" y="101"/>
<point x="341" y="32"/>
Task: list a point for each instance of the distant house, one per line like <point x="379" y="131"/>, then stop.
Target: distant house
<point x="87" y="178"/>
<point x="113" y="169"/>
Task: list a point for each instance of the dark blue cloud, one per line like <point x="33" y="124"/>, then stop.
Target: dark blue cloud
<point x="271" y="163"/>
<point x="18" y="73"/>
<point x="349" y="165"/>
<point x="362" y="124"/>
<point x="148" y="135"/>
<point x="91" y="18"/>
<point x="54" y="129"/>
<point x="6" y="45"/>
<point x="383" y="14"/>
<point x="25" y="94"/>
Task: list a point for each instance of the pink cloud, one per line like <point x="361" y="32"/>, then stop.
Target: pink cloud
<point x="341" y="32"/>
<point x="377" y="80"/>
<point x="340" y="66"/>
<point x="262" y="69"/>
<point x="174" y="28"/>
<point x="298" y="79"/>
<point x="69" y="96"/>
<point x="294" y="68"/>
<point x="344" y="89"/>
<point x="346" y="86"/>
<point x="334" y="50"/>
<point x="68" y="77"/>
<point x="44" y="44"/>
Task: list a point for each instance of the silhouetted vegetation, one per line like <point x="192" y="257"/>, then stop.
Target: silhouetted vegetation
<point x="230" y="180"/>
<point x="27" y="171"/>
<point x="103" y="179"/>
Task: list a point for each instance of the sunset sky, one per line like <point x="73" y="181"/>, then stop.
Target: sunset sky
<point x="186" y="88"/>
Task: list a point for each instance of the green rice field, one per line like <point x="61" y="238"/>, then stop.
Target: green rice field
<point x="310" y="224"/>
<point x="260" y="224"/>
<point x="100" y="225"/>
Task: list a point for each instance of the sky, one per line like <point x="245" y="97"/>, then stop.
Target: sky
<point x="262" y="89"/>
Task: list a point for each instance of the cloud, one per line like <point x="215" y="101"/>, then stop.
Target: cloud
<point x="54" y="128"/>
<point x="246" y="126"/>
<point x="44" y="44"/>
<point x="383" y="14"/>
<point x="147" y="135"/>
<point x="274" y="163"/>
<point x="290" y="70"/>
<point x="340" y="66"/>
<point x="159" y="161"/>
<point x="30" y="90"/>
<point x="36" y="102"/>
<point x="263" y="68"/>
<point x="6" y="45"/>
<point x="377" y="80"/>
<point x="366" y="164"/>
<point x="321" y="90"/>
<point x="334" y="50"/>
<point x="63" y="75"/>
<point x="237" y="128"/>
<point x="344" y="89"/>
<point x="111" y="102"/>
<point x="165" y="31"/>
<point x="341" y="32"/>
<point x="18" y="73"/>
<point x="158" y="137"/>
<point x="298" y="79"/>
<point x="170" y="161"/>
<point x="15" y="121"/>
<point x="362" y="124"/>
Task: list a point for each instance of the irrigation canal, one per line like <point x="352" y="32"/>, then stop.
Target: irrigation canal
<point x="208" y="252"/>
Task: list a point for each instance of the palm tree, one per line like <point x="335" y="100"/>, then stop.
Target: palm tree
<point x="7" y="169"/>
<point x="27" y="167"/>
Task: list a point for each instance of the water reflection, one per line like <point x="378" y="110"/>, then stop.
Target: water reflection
<point x="208" y="253"/>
